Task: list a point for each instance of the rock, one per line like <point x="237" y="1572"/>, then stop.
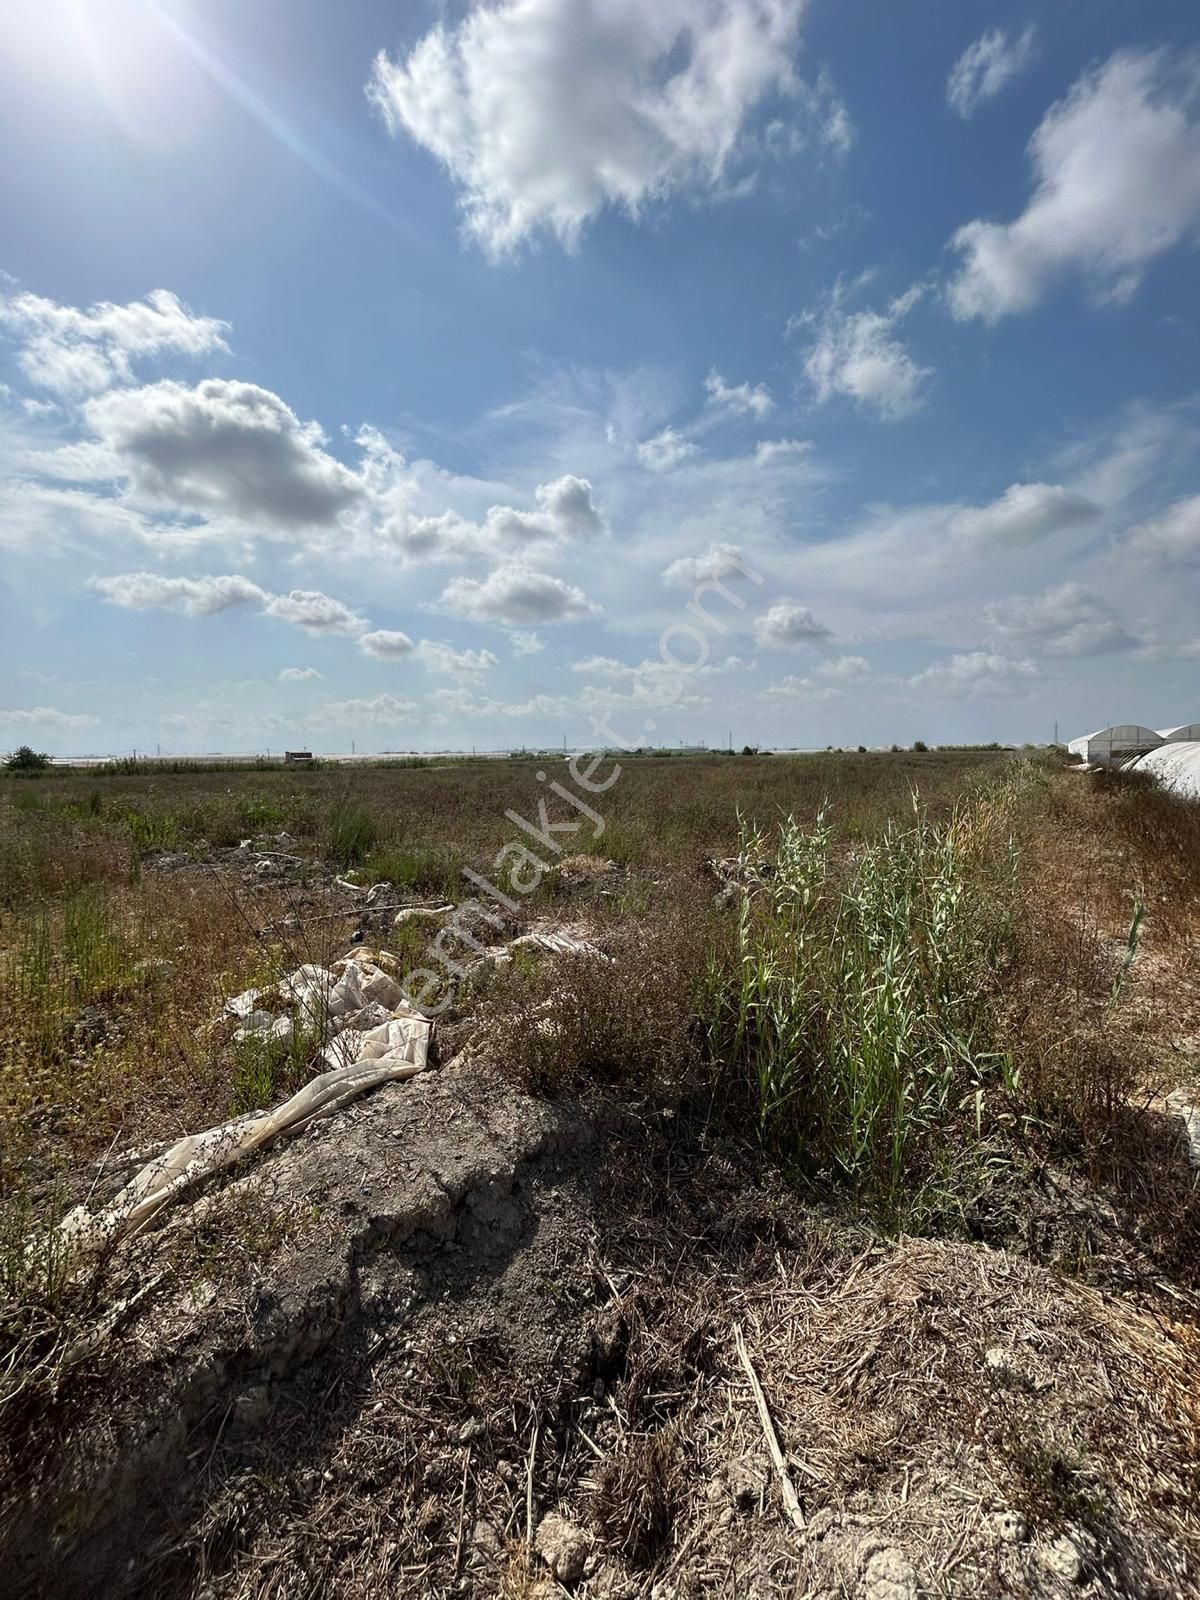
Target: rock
<point x="471" y="1430"/>
<point x="563" y="1546"/>
<point x="1063" y="1558"/>
<point x="887" y="1574"/>
<point x="1009" y="1527"/>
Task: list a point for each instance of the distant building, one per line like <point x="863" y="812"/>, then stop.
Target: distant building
<point x="297" y="758"/>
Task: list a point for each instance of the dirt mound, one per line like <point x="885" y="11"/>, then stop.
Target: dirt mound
<point x="457" y="1340"/>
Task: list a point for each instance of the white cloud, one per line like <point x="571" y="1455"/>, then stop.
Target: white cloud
<point x="386" y="644"/>
<point x="207" y="596"/>
<point x="856" y="354"/>
<point x="195" y="597"/>
<point x="770" y="451"/>
<point x="1173" y="537"/>
<point x="516" y="594"/>
<point x="985" y="67"/>
<point x="462" y="703"/>
<point x="665" y="451"/>
<point x="1117" y="170"/>
<point x="565" y="510"/>
<point x="787" y="626"/>
<point x="845" y="669"/>
<point x="719" y="561"/>
<point x="224" y="448"/>
<point x="977" y="673"/>
<point x="383" y="711"/>
<point x="525" y="644"/>
<point x="545" y="111"/>
<point x="46" y="717"/>
<point x="74" y="351"/>
<point x="315" y="612"/>
<point x="298" y="674"/>
<point x="469" y="665"/>
<point x="743" y="399"/>
<point x="793" y="688"/>
<point x="1023" y="514"/>
<point x="1067" y="620"/>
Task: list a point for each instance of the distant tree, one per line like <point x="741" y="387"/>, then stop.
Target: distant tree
<point x="862" y="749"/>
<point x="895" y="749"/>
<point x="27" y="759"/>
<point x="920" y="746"/>
<point x="749" y="749"/>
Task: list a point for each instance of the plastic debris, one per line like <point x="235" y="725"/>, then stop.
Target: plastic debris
<point x="373" y="1036"/>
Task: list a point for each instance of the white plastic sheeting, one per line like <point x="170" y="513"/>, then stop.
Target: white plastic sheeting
<point x="1185" y="730"/>
<point x="1118" y="743"/>
<point x="374" y="1036"/>
<point x="1174" y="766"/>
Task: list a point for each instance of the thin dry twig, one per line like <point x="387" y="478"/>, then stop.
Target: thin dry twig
<point x="791" y="1501"/>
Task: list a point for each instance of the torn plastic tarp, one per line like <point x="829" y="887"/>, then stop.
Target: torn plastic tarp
<point x="377" y="1038"/>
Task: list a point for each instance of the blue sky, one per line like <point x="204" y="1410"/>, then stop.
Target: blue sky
<point x="395" y="373"/>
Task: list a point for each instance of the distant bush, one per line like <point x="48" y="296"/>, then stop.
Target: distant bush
<point x="920" y="747"/>
<point x="27" y="759"/>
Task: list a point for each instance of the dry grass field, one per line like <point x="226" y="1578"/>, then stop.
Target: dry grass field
<point x="880" y="1056"/>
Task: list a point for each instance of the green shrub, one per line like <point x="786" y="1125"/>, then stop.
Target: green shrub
<point x="860" y="1012"/>
<point x="26" y="759"/>
<point x="351" y="835"/>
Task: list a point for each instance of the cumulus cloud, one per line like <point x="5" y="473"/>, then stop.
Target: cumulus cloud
<point x="1023" y="514"/>
<point x="516" y="594"/>
<point x="543" y="112"/>
<point x="73" y="350"/>
<point x="1117" y="182"/>
<point x="845" y="670"/>
<point x="462" y="703"/>
<point x="207" y="596"/>
<point x="977" y="673"/>
<point x="665" y="451"/>
<point x="298" y="674"/>
<point x="195" y="597"/>
<point x="793" y="688"/>
<point x="469" y="665"/>
<point x="46" y="717"/>
<point x="525" y="644"/>
<point x="985" y="67"/>
<point x="1173" y="537"/>
<point x="382" y="711"/>
<point x="315" y="612"/>
<point x="857" y="355"/>
<point x="743" y="399"/>
<point x="1067" y="620"/>
<point x="565" y="510"/>
<point x="386" y="644"/>
<point x="226" y="448"/>
<point x="719" y="561"/>
<point x="787" y="626"/>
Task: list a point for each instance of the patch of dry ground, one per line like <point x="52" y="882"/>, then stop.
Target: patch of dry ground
<point x="475" y="1310"/>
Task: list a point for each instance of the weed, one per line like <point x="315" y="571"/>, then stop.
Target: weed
<point x="858" y="1009"/>
<point x="351" y="834"/>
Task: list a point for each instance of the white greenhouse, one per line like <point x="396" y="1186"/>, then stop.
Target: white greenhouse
<point x="1174" y="766"/>
<point x="1118" y="743"/>
<point x="1185" y="731"/>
